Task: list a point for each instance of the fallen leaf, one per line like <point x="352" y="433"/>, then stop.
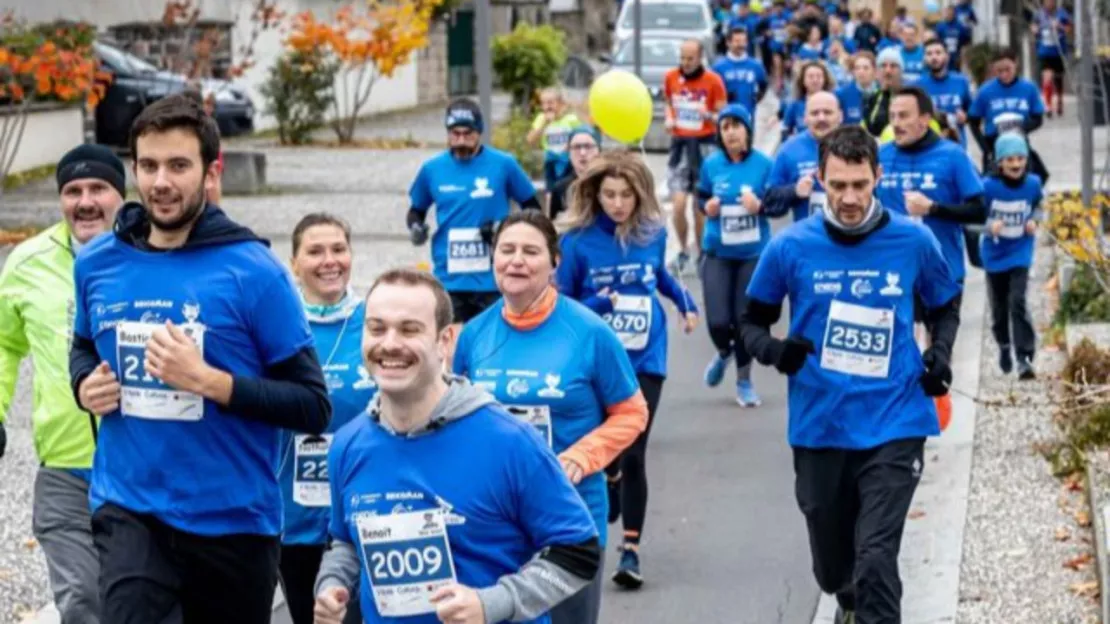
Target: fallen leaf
<point x="1074" y="482"/>
<point x="1077" y="562"/>
<point x="1089" y="588"/>
<point x="31" y="543"/>
<point x="1062" y="534"/>
<point x="7" y="575"/>
<point x="1082" y="518"/>
<point x="915" y="514"/>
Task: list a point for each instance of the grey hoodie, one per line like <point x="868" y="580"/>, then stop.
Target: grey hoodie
<point x="525" y="595"/>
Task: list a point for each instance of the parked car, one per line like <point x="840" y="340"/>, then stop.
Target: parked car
<point x="684" y="19"/>
<point x="658" y="55"/>
<point x="136" y="83"/>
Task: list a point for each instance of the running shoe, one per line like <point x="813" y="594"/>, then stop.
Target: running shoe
<point x="746" y="395"/>
<point x="628" y="571"/>
<point x="1025" y="369"/>
<point x="715" y="371"/>
<point x="1005" y="360"/>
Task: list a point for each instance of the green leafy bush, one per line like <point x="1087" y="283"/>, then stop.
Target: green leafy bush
<point x="979" y="58"/>
<point x="527" y="59"/>
<point x="512" y="137"/>
<point x="298" y="93"/>
<point x="1084" y="301"/>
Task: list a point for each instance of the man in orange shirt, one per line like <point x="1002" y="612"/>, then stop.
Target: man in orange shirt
<point x="692" y="95"/>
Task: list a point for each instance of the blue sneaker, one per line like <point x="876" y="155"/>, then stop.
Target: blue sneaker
<point x="745" y="394"/>
<point x="715" y="371"/>
<point x="628" y="571"/>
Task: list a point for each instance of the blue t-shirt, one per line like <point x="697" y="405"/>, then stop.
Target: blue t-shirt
<point x="593" y="259"/>
<point x="1005" y="108"/>
<point x="1052" y="42"/>
<point x="851" y="99"/>
<point x="965" y="12"/>
<point x="565" y="372"/>
<point x="806" y="52"/>
<point x="1014" y="206"/>
<point x="777" y="26"/>
<point x="466" y="194"/>
<point x="304" y="467"/>
<point x="734" y="233"/>
<point x="849" y="45"/>
<point x="855" y="304"/>
<point x="502" y="497"/>
<point x="743" y="78"/>
<point x="189" y="462"/>
<point x="913" y="64"/>
<point x="955" y="36"/>
<point x="950" y="94"/>
<point x="798" y="157"/>
<point x="944" y="173"/>
<point x="793" y="113"/>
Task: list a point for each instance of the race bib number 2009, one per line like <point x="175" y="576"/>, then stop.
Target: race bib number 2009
<point x="407" y="558"/>
<point x="141" y="394"/>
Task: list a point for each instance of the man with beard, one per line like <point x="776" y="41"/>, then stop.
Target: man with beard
<point x="793" y="184"/>
<point x="950" y="90"/>
<point x="876" y="108"/>
<point x="36" y="319"/>
<point x="1005" y="103"/>
<point x="955" y="36"/>
<point x="470" y="186"/>
<point x="583" y="144"/>
<point x="859" y="388"/>
<point x="190" y="342"/>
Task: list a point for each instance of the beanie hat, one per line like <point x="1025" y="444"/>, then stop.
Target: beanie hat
<point x="889" y="55"/>
<point x="92" y="161"/>
<point x="738" y="112"/>
<point x="464" y="112"/>
<point x="1010" y="144"/>
<point x="585" y="129"/>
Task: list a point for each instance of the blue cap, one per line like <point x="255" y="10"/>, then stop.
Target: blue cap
<point x="738" y="112"/>
<point x="1010" y="144"/>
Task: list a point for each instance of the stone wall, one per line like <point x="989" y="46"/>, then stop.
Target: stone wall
<point x="573" y="25"/>
<point x="431" y="66"/>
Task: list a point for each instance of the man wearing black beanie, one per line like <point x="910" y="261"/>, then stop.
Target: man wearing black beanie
<point x="36" y="317"/>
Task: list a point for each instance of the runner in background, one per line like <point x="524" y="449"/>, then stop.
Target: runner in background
<point x="470" y="185"/>
<point x="867" y="35"/>
<point x="813" y="77"/>
<point x="955" y="35"/>
<point x="584" y="145"/>
<point x="744" y="77"/>
<point x="853" y="95"/>
<point x="36" y="319"/>
<point x="913" y="54"/>
<point x="322" y="266"/>
<point x="555" y="364"/>
<point x="1051" y="25"/>
<point x="190" y="341"/>
<point x="692" y="96"/>
<point x="876" y="107"/>
<point x="949" y="89"/>
<point x="793" y="185"/>
<point x="614" y="261"/>
<point x="736" y="231"/>
<point x="859" y="388"/>
<point x="1005" y="103"/>
<point x="551" y="131"/>
<point x="445" y="508"/>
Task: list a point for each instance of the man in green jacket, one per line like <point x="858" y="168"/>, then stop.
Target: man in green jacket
<point x="36" y="319"/>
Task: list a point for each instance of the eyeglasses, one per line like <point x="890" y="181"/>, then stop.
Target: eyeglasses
<point x="583" y="147"/>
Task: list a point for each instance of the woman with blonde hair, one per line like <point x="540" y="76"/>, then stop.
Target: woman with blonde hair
<point x="613" y="250"/>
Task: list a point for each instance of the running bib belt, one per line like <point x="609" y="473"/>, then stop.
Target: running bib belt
<point x="1013" y="215"/>
<point x="310" y="481"/>
<point x="737" y="226"/>
<point x="631" y="320"/>
<point x="466" y="251"/>
<point x="539" y="416"/>
<point x="857" y="340"/>
<point x="141" y="394"/>
<point x="407" y="558"/>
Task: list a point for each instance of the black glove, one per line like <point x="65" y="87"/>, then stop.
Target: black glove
<point x="937" y="376"/>
<point x="792" y="354"/>
<point x="3" y="439"/>
<point x="486" y="230"/>
<point x="418" y="233"/>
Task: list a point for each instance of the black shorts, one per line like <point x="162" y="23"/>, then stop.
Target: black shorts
<point x="1055" y="63"/>
<point x="684" y="162"/>
<point x="466" y="304"/>
<point x="919" y="305"/>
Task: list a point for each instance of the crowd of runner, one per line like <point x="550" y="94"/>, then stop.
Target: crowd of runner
<point x="454" y="446"/>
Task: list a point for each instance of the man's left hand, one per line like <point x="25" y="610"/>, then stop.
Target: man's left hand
<point x="458" y="604"/>
<point x="917" y="204"/>
<point x="174" y="358"/>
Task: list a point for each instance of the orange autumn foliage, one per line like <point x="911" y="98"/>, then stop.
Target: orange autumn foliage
<point x="43" y="70"/>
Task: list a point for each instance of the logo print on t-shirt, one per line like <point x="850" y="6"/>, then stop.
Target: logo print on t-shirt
<point x="861" y="288"/>
<point x="481" y="189"/>
<point x="517" y="387"/>
<point x="364" y="379"/>
<point x="552" y="390"/>
<point x="892" y="289"/>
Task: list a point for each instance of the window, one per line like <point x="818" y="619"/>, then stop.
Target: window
<point x="678" y="16"/>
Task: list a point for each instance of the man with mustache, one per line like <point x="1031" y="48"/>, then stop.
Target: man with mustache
<point x="793" y="181"/>
<point x="859" y="388"/>
<point x="190" y="342"/>
<point x="36" y="319"/>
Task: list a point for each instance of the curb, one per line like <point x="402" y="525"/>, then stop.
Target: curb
<point x="1100" y="519"/>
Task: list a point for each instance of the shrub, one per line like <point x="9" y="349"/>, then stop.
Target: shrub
<point x="298" y="93"/>
<point x="1085" y="301"/>
<point x="979" y="57"/>
<point x="528" y="58"/>
<point x="512" y="137"/>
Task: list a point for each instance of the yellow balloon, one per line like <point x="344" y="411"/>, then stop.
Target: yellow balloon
<point x="621" y="106"/>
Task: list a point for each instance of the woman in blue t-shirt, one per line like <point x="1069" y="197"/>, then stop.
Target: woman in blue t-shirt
<point x="614" y="262"/>
<point x="556" y="365"/>
<point x="812" y="77"/>
<point x="322" y="266"/>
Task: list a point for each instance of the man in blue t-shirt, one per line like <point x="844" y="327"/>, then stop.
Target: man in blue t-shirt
<point x="471" y="186"/>
<point x="745" y="79"/>
<point x="955" y="35"/>
<point x="793" y="181"/>
<point x="190" y="342"/>
<point x="950" y="90"/>
<point x="1005" y="103"/>
<point x="1051" y="25"/>
<point x="859" y="389"/>
<point x="445" y="508"/>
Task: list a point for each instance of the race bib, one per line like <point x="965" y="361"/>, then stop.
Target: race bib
<point x="817" y="201"/>
<point x="1008" y="122"/>
<point x="631" y="320"/>
<point x="688" y="115"/>
<point x="557" y="140"/>
<point x="310" y="479"/>
<point x="466" y="251"/>
<point x="407" y="558"/>
<point x="1048" y="36"/>
<point x="1012" y="215"/>
<point x="141" y="394"/>
<point x="737" y="226"/>
<point x="539" y="416"/>
<point x="858" y="340"/>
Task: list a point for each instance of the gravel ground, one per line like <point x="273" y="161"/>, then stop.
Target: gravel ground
<point x="1023" y="524"/>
